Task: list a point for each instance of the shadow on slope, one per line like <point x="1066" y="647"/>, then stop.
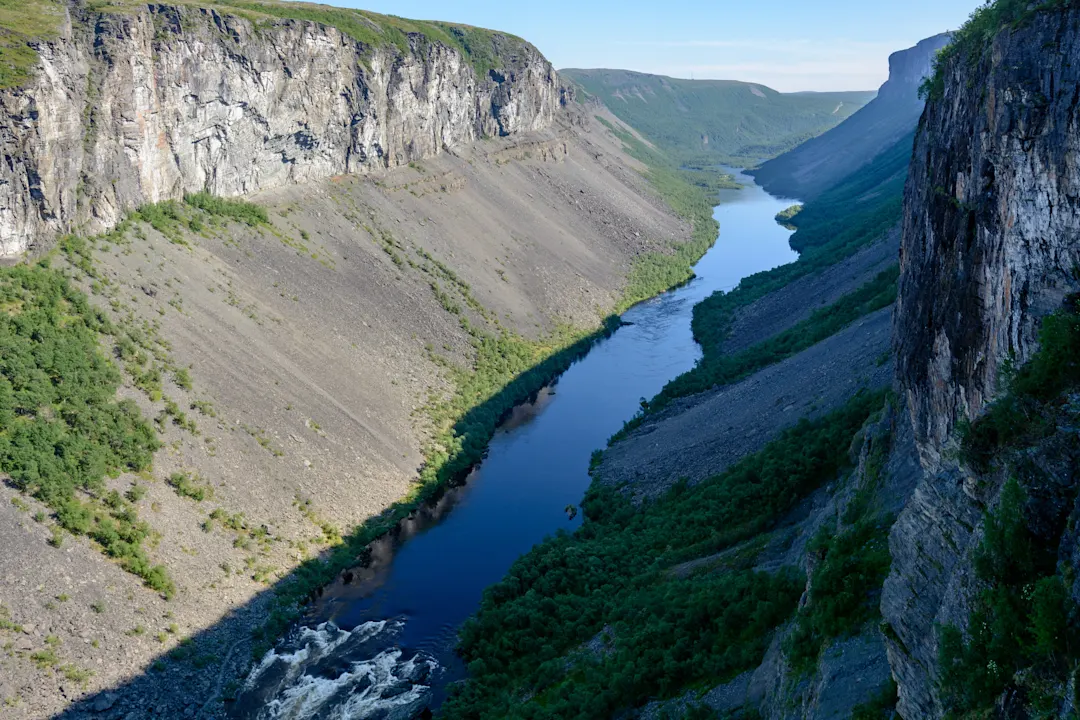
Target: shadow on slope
<point x="200" y="678"/>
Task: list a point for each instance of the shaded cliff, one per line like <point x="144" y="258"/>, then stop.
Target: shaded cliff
<point x="821" y="162"/>
<point x="990" y="230"/>
<point x="143" y="103"/>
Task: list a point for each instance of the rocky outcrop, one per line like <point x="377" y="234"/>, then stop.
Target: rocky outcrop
<point x="146" y="104"/>
<point x="991" y="222"/>
<point x="821" y="162"/>
<point x="990" y="230"/>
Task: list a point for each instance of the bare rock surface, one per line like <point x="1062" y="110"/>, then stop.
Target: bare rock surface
<point x="146" y="102"/>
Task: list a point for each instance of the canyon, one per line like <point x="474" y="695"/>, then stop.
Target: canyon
<point x="329" y="252"/>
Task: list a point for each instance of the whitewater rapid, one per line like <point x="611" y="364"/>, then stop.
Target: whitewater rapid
<point x="326" y="673"/>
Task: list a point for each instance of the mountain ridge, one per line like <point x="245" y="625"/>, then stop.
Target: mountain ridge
<point x="820" y="162"/>
<point x="716" y="121"/>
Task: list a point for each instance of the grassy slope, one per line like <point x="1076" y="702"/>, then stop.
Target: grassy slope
<point x="23" y="21"/>
<point x="741" y="126"/>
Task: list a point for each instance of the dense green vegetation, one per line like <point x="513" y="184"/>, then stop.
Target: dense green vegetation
<point x="689" y="193"/>
<point x="241" y="211"/>
<point x="62" y="431"/>
<point x="785" y="216"/>
<point x="21" y="22"/>
<point x="1022" y="628"/>
<point x="844" y="587"/>
<point x="705" y="122"/>
<point x="1033" y="406"/>
<point x="851" y="559"/>
<point x="861" y="207"/>
<point x="716" y="368"/>
<point x="973" y="39"/>
<point x="656" y="632"/>
<point x="1020" y="620"/>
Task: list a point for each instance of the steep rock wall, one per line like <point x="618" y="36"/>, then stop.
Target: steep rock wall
<point x="144" y="105"/>
<point x="991" y="222"/>
<point x="990" y="245"/>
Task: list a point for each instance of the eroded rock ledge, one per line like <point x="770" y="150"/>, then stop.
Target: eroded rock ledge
<point x="145" y="104"/>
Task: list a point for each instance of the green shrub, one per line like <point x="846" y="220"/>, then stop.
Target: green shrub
<point x="973" y="39"/>
<point x="62" y="431"/>
<point x="786" y="216"/>
<point x="613" y="576"/>
<point x="1019" y="620"/>
<point x="21" y="23"/>
<point x="1031" y="406"/>
<point x="190" y="487"/>
<point x="182" y="378"/>
<point x="844" y="588"/>
<point x="237" y="210"/>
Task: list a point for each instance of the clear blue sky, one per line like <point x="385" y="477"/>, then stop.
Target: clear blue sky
<point x="786" y="44"/>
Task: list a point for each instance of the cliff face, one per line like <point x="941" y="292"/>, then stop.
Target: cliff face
<point x="991" y="222"/>
<point x="821" y="162"/>
<point x="144" y="105"/>
<point x="990" y="230"/>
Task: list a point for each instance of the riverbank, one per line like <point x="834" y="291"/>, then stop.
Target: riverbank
<point x="521" y="492"/>
<point x="307" y="352"/>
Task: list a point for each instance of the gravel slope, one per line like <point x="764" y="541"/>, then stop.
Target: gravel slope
<point x="699" y="436"/>
<point x="310" y="342"/>
<point x="796" y="301"/>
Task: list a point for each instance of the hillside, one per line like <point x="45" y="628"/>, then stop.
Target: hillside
<point x="716" y="121"/>
<point x="343" y="91"/>
<point x="263" y="385"/>
<point x="821" y="162"/>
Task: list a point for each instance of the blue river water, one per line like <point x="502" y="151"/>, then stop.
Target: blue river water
<point x="381" y="646"/>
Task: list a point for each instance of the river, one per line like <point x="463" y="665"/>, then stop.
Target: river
<point x="382" y="646"/>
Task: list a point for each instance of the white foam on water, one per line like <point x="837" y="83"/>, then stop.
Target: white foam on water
<point x="312" y="644"/>
<point x="361" y="688"/>
<point x="374" y="687"/>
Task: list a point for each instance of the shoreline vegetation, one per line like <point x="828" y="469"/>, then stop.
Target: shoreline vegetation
<point x="592" y="622"/>
<point x="856" y="212"/>
<point x="507" y="370"/>
<point x="604" y="618"/>
<point x="465" y="438"/>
